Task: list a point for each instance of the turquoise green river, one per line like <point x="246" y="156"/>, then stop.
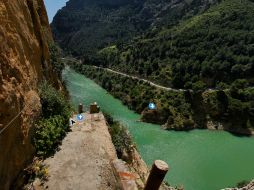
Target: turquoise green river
<point x="198" y="160"/>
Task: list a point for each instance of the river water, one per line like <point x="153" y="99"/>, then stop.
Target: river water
<point x="198" y="160"/>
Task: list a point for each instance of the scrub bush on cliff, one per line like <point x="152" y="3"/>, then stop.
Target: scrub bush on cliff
<point x="53" y="102"/>
<point x="49" y="133"/>
<point x="121" y="138"/>
<point x="55" y="59"/>
<point x="52" y="126"/>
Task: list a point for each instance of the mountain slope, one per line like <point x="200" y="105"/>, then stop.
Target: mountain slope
<point x="206" y="50"/>
<point x="83" y="27"/>
<point x="211" y="53"/>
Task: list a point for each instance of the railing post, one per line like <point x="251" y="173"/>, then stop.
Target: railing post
<point x="157" y="174"/>
<point x="80" y="108"/>
<point x="94" y="108"/>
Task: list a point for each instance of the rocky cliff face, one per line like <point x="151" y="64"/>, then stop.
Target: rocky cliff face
<point x="24" y="63"/>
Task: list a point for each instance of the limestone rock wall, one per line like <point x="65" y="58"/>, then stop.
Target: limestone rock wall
<point x="24" y="63"/>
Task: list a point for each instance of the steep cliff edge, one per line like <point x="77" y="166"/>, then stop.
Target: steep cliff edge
<point x="249" y="186"/>
<point x="24" y="63"/>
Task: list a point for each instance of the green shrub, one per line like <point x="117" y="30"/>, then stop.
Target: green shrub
<point x="108" y="118"/>
<point x="199" y="86"/>
<point x="53" y="102"/>
<point x="49" y="133"/>
<point x="120" y="138"/>
<point x="37" y="169"/>
<point x="55" y="59"/>
<point x="52" y="126"/>
<point x="242" y="184"/>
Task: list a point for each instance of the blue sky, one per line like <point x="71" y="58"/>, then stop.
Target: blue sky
<point x="53" y="6"/>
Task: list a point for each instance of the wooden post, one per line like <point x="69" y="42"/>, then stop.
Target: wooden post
<point x="94" y="108"/>
<point x="157" y="174"/>
<point x="80" y="108"/>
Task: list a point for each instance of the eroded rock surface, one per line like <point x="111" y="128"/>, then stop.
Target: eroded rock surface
<point x="24" y="62"/>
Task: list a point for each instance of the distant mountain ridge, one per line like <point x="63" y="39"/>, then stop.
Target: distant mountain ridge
<point x="211" y="53"/>
<point x="207" y="50"/>
<point x="85" y="26"/>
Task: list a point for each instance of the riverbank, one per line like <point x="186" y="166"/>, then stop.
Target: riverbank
<point x="223" y="127"/>
<point x="176" y="110"/>
<point x="249" y="186"/>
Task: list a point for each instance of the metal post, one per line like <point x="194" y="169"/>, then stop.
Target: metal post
<point x="157" y="174"/>
<point x="80" y="108"/>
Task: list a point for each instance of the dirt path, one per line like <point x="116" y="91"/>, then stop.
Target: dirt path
<point x="144" y="80"/>
<point x="83" y="163"/>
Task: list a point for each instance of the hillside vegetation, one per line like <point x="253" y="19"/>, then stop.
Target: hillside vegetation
<point x="210" y="53"/>
<point x="231" y="110"/>
<point x="85" y="26"/>
<point x="209" y="50"/>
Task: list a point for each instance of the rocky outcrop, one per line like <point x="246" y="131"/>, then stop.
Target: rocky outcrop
<point x="211" y="109"/>
<point x="24" y="63"/>
<point x="133" y="169"/>
<point x="154" y="116"/>
<point x="249" y="186"/>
